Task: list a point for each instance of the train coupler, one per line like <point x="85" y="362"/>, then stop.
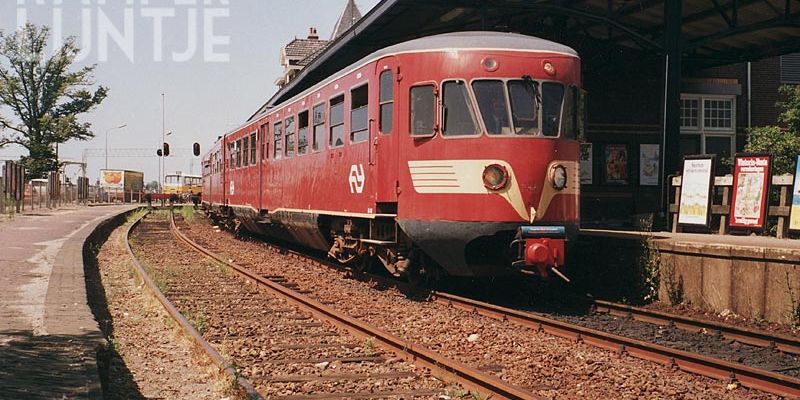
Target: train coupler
<point x="540" y="250"/>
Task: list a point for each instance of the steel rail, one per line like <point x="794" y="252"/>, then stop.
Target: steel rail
<point x="753" y="337"/>
<point x="185" y="325"/>
<point x="468" y="377"/>
<point x="750" y="377"/>
<point x="754" y="378"/>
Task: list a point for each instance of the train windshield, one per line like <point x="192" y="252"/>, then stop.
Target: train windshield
<point x="520" y="106"/>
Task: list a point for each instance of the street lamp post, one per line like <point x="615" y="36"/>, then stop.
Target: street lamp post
<point x="109" y="131"/>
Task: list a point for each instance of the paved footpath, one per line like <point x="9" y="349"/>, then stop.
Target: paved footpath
<point x="48" y="335"/>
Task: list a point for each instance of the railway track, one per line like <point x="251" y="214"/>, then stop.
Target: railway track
<point x="291" y="346"/>
<point x="748" y="376"/>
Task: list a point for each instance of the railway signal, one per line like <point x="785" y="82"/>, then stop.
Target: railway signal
<point x="166" y="149"/>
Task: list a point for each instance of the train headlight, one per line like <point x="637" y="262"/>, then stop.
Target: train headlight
<point x="495" y="177"/>
<point x="558" y="176"/>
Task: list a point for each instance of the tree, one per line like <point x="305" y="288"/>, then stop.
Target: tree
<point x="153" y="186"/>
<point x="782" y="142"/>
<point x="44" y="95"/>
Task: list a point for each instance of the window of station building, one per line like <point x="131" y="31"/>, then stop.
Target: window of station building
<point x="552" y="103"/>
<point x="422" y="110"/>
<point x="359" y="110"/>
<point x="253" y="148"/>
<point x="790" y="68"/>
<point x="690" y="113"/>
<point x="458" y="117"/>
<point x="246" y="151"/>
<point x="717" y="113"/>
<point x="289" y="126"/>
<point x="317" y="142"/>
<point x="277" y="148"/>
<point x="302" y="132"/>
<point x="336" y="137"/>
<point x="491" y="97"/>
<point x="386" y="100"/>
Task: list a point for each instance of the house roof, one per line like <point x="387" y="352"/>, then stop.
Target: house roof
<point x="350" y="15"/>
<point x="302" y="48"/>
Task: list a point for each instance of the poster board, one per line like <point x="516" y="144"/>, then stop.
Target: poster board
<point x="649" y="161"/>
<point x="751" y="180"/>
<point x="695" y="202"/>
<point x="112" y="179"/>
<point x="794" y="215"/>
<point x="616" y="163"/>
<point x="587" y="170"/>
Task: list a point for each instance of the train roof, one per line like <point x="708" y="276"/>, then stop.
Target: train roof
<point x="469" y="40"/>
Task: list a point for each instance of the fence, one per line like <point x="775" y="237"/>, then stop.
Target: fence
<point x="781" y="188"/>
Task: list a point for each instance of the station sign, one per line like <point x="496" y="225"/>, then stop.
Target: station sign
<point x="751" y="179"/>
<point x="696" y="190"/>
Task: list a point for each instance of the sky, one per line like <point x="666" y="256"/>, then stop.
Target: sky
<point x="215" y="61"/>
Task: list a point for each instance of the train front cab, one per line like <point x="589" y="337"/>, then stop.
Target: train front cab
<point x="491" y="161"/>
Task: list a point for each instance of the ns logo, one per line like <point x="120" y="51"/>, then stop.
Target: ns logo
<point x="356" y="178"/>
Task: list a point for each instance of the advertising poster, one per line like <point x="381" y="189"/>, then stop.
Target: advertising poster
<point x="794" y="216"/>
<point x="695" y="202"/>
<point x="751" y="175"/>
<point x="112" y="179"/>
<point x="649" y="159"/>
<point x="586" y="164"/>
<point x="616" y="163"/>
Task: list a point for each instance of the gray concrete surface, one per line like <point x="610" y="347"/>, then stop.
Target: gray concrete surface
<point x="48" y="335"/>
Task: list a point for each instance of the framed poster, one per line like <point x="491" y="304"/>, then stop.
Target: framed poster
<point x="695" y="203"/>
<point x="586" y="164"/>
<point x="794" y="215"/>
<point x="751" y="179"/>
<point x="649" y="160"/>
<point x="616" y="162"/>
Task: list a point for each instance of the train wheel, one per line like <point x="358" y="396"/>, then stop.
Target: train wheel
<point x="364" y="265"/>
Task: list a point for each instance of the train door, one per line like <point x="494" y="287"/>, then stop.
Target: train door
<point x="384" y="155"/>
<point x="263" y="132"/>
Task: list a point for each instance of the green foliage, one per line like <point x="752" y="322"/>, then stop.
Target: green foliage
<point x="790" y="108"/>
<point x="152" y="186"/>
<point x="783" y="144"/>
<point x="44" y="95"/>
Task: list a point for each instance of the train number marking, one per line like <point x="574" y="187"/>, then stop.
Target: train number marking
<point x="357" y="178"/>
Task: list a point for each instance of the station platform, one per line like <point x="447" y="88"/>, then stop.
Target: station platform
<point x="48" y="335"/>
<point x="753" y="276"/>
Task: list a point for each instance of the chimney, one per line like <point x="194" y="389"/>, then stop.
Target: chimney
<point x="312" y="34"/>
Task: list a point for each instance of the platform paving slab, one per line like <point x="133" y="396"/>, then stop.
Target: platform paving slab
<point x="48" y="335"/>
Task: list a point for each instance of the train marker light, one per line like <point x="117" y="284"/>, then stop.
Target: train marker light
<point x="558" y="177"/>
<point x="549" y="68"/>
<point x="490" y="64"/>
<point x="495" y="177"/>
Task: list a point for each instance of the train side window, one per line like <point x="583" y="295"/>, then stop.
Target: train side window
<point x="289" y="127"/>
<point x="458" y="117"/>
<point x="277" y="147"/>
<point x="359" y="112"/>
<point x="232" y="152"/>
<point x="253" y="147"/>
<point x="302" y="132"/>
<point x="422" y="110"/>
<point x="264" y="139"/>
<point x="238" y="153"/>
<point x="336" y="138"/>
<point x="569" y="115"/>
<point x="386" y="101"/>
<point x="318" y="141"/>
<point x="245" y="151"/>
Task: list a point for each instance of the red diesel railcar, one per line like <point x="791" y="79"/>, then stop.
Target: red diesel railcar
<point x="453" y="153"/>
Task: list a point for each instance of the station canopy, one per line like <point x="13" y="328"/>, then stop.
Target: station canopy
<point x="624" y="35"/>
